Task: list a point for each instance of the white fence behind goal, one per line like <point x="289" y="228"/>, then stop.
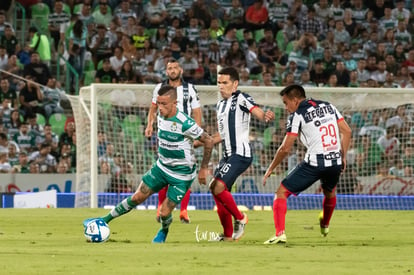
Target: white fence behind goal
<point x="113" y="116"/>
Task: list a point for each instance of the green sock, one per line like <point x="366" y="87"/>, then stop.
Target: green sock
<point x="122" y="208"/>
<point x="165" y="222"/>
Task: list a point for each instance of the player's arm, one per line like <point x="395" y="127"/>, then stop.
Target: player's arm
<point x="346" y="134"/>
<point x="150" y="119"/>
<point x="197" y="116"/>
<point x="207" y="140"/>
<point x="262" y="115"/>
<point x="281" y="153"/>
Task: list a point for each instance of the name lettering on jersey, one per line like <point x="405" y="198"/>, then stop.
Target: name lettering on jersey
<point x="168" y="145"/>
<point x="319" y="112"/>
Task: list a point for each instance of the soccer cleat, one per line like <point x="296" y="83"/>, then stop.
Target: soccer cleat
<point x="221" y="238"/>
<point x="238" y="228"/>
<point x="277" y="239"/>
<point x="324" y="229"/>
<point x="161" y="236"/>
<point x="184" y="217"/>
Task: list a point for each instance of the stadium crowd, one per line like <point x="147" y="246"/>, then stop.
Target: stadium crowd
<point x="320" y="43"/>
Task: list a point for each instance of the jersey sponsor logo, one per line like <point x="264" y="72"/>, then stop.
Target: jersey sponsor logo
<point x="332" y="156"/>
<point x="319" y="112"/>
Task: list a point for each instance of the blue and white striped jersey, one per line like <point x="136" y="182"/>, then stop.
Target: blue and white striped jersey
<point x="317" y="124"/>
<point x="233" y="119"/>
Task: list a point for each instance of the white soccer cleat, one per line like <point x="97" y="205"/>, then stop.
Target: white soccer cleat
<point x="277" y="239"/>
<point x="238" y="228"/>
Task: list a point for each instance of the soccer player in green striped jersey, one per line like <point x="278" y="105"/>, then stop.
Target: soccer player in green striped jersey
<point x="176" y="166"/>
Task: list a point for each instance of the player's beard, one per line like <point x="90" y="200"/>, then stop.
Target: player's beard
<point x="175" y="78"/>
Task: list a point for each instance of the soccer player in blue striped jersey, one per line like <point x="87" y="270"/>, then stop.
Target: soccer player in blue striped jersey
<point x="326" y="135"/>
<point x="233" y="119"/>
<point x="175" y="167"/>
<point x="187" y="102"/>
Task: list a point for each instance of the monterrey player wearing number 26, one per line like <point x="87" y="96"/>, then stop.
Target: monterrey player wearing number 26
<point x="326" y="135"/>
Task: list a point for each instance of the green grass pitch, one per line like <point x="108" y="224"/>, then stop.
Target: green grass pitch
<point x="51" y="241"/>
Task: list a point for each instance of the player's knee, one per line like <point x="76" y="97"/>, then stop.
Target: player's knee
<point x="217" y="187"/>
<point x="282" y="193"/>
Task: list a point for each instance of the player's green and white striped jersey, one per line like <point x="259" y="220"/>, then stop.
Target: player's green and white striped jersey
<point x="175" y="145"/>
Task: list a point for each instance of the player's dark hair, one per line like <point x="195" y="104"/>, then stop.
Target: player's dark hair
<point x="292" y="91"/>
<point x="168" y="90"/>
<point x="230" y="71"/>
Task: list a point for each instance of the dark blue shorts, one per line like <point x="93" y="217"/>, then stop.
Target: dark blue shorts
<point x="305" y="175"/>
<point x="230" y="168"/>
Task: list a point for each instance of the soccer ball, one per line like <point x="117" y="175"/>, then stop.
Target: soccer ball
<point x="97" y="231"/>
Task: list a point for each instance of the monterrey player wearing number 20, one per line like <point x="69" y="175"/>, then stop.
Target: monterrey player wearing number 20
<point x="326" y="135"/>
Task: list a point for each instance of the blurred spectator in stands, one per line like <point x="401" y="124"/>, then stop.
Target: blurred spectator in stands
<point x="245" y="77"/>
<point x="198" y="78"/>
<point x="318" y="75"/>
<point x="189" y="64"/>
<point x="332" y="81"/>
<point x="175" y="9"/>
<point x="399" y="53"/>
<point x="371" y="65"/>
<point x="106" y="74"/>
<point x="131" y="27"/>
<point x="8" y="92"/>
<point x="409" y="62"/>
<point x="336" y="12"/>
<point x="160" y="40"/>
<point x="9" y="40"/>
<point x="288" y="79"/>
<point x="215" y="29"/>
<point x="348" y="182"/>
<point x="182" y="41"/>
<point x="31" y="98"/>
<point x="123" y="11"/>
<point x="305" y="79"/>
<point x="362" y="72"/>
<point x="40" y="43"/>
<point x="47" y="136"/>
<point x="391" y="65"/>
<point x="388" y="22"/>
<point x="298" y="10"/>
<point x="102" y="15"/>
<point x="151" y="76"/>
<point x="256" y="16"/>
<point x="3" y="22"/>
<point x="359" y="12"/>
<point x="267" y="47"/>
<point x="234" y="15"/>
<point x="102" y="143"/>
<point x="356" y="50"/>
<point x="235" y="56"/>
<point x="127" y="74"/>
<point x="37" y="70"/>
<point x="77" y="48"/>
<point x="15" y="123"/>
<point x="322" y="10"/>
<point x="4" y="58"/>
<point x="211" y="73"/>
<point x="204" y="41"/>
<point x="85" y="13"/>
<point x="62" y="168"/>
<point x="350" y="63"/>
<point x="5" y="166"/>
<point x="400" y="12"/>
<point x="402" y="35"/>
<point x="380" y="51"/>
<point x="290" y="31"/>
<point x="35" y="129"/>
<point x="379" y="75"/>
<point x="311" y="24"/>
<point x="274" y="72"/>
<point x="377" y="8"/>
<point x="118" y="59"/>
<point x="101" y="45"/>
<point x="149" y="53"/>
<point x="155" y="13"/>
<point x="192" y="31"/>
<point x="13" y="67"/>
<point x="252" y="60"/>
<point x="5" y="113"/>
<point x="214" y="52"/>
<point x="408" y="159"/>
<point x="5" y="6"/>
<point x="267" y="79"/>
<point x="226" y="40"/>
<point x="203" y="12"/>
<point x="292" y="68"/>
<point x="353" y="79"/>
<point x="52" y="94"/>
<point x="68" y="135"/>
<point x="341" y="34"/>
<point x="389" y="41"/>
<point x="24" y="139"/>
<point x="328" y="61"/>
<point x="389" y="145"/>
<point x="4" y="143"/>
<point x="389" y="81"/>
<point x="22" y="165"/>
<point x="56" y="19"/>
<point x="370" y="46"/>
<point x="349" y="24"/>
<point x="43" y="158"/>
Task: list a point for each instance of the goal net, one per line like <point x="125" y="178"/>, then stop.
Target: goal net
<point x="113" y="154"/>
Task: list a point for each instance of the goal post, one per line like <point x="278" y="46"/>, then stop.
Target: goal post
<point x="113" y="154"/>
